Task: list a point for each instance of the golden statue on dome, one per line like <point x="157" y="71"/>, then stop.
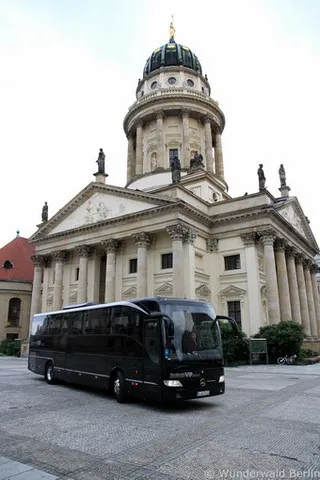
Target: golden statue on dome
<point x="172" y="30"/>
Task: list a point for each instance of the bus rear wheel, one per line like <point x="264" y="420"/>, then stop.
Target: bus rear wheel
<point x="49" y="373"/>
<point x="119" y="388"/>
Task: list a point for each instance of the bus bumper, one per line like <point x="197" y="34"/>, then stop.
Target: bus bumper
<point x="178" y="393"/>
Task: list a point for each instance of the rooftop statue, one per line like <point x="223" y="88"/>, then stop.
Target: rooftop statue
<point x="282" y="175"/>
<point x="44" y="214"/>
<point x="175" y="166"/>
<point x="262" y="178"/>
<point x="196" y="161"/>
<point x="100" y="161"/>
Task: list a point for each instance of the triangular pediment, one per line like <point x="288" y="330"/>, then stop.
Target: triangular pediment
<point x="130" y="292"/>
<point x="99" y="203"/>
<point x="203" y="291"/>
<point x="292" y="212"/>
<point x="165" y="290"/>
<point x="232" y="291"/>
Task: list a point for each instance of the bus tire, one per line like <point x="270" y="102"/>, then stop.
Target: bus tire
<point x="49" y="373"/>
<point x="119" y="388"/>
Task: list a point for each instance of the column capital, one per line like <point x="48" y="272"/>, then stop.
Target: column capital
<point x="280" y="245"/>
<point x="47" y="260"/>
<point x="249" y="239"/>
<point x="299" y="258"/>
<point x="267" y="237"/>
<point x="206" y="118"/>
<point x="142" y="239"/>
<point x="83" y="251"/>
<point x="37" y="260"/>
<point x="290" y="251"/>
<point x="190" y="236"/>
<point x="59" y="255"/>
<point x="159" y="114"/>
<point x="307" y="264"/>
<point x="185" y="113"/>
<point x="314" y="268"/>
<point x="129" y="136"/>
<point x="212" y="244"/>
<point x="139" y="123"/>
<point x="177" y="231"/>
<point x="111" y="245"/>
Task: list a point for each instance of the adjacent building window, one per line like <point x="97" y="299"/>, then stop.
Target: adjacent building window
<point x="232" y="262"/>
<point x="7" y="264"/>
<point x="166" y="260"/>
<point x="173" y="152"/>
<point x="234" y="311"/>
<point x="133" y="265"/>
<point x="14" y="312"/>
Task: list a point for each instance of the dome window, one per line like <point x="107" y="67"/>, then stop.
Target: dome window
<point x="190" y="82"/>
<point x="7" y="264"/>
<point x="154" y="85"/>
<point x="172" y="80"/>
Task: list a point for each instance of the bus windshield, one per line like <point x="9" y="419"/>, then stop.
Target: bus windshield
<point x="196" y="332"/>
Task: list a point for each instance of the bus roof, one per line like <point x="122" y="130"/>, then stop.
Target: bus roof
<point x="92" y="306"/>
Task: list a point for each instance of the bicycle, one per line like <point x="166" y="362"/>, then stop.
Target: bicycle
<point x="287" y="360"/>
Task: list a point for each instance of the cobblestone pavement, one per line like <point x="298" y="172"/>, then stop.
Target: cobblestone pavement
<point x="267" y="425"/>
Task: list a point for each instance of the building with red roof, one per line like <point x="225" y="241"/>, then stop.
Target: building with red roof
<point x="16" y="277"/>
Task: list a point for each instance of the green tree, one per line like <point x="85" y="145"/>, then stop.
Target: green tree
<point x="235" y="347"/>
<point x="285" y="338"/>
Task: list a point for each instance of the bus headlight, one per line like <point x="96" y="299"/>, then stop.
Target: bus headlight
<point x="221" y="379"/>
<point x="172" y="383"/>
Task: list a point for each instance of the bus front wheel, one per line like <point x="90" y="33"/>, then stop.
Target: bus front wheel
<point x="119" y="388"/>
<point x="49" y="373"/>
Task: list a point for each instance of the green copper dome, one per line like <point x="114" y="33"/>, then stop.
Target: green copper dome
<point x="172" y="54"/>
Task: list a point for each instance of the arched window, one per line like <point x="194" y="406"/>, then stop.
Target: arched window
<point x="14" y="312"/>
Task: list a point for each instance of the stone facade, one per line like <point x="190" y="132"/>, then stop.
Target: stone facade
<point x="252" y="255"/>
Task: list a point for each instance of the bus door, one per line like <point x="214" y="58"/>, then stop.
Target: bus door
<point x="152" y="375"/>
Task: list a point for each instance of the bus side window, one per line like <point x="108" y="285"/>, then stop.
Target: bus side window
<point x="74" y="322"/>
<point x="151" y="342"/>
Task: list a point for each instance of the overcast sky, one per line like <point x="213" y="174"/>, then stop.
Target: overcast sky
<point x="69" y="70"/>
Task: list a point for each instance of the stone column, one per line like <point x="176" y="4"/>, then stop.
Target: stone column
<point x="185" y="140"/>
<point x="283" y="284"/>
<point x="160" y="139"/>
<point x="312" y="313"/>
<point x="268" y="239"/>
<point x="189" y="263"/>
<point x="314" y="271"/>
<point x="303" y="295"/>
<point x="142" y="241"/>
<point x="253" y="280"/>
<point x="94" y="262"/>
<point x="177" y="233"/>
<point x="130" y="158"/>
<point x="83" y="252"/>
<point x="110" y="246"/>
<point x="59" y="258"/>
<point x="293" y="284"/>
<point x="208" y="143"/>
<point x="218" y="155"/>
<point x="139" y="152"/>
<point x="37" y="261"/>
<point x="213" y="249"/>
<point x="45" y="282"/>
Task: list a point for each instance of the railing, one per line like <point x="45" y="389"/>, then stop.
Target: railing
<point x="173" y="91"/>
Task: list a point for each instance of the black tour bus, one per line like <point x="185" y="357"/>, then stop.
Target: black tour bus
<point x="154" y="348"/>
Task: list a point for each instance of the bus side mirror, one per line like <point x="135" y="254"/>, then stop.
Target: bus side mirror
<point x="231" y="322"/>
<point x="168" y="321"/>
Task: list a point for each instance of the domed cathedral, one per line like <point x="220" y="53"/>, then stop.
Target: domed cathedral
<point x="175" y="117"/>
<point x="173" y="229"/>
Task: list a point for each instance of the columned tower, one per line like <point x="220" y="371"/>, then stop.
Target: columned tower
<point x="173" y="115"/>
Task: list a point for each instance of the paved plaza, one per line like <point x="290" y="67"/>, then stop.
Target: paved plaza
<point x="267" y="425"/>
